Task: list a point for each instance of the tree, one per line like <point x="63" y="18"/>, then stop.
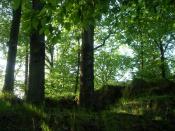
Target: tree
<point x="5" y="22"/>
<point x="78" y="66"/>
<point x="146" y="28"/>
<point x="12" y="45"/>
<point x="64" y="72"/>
<point x="85" y="14"/>
<point x="87" y="67"/>
<point x="35" y="92"/>
<point x="26" y="68"/>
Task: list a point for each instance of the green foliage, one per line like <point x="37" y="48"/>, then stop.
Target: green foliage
<point x="105" y="68"/>
<point x="16" y="4"/>
<point x="62" y="75"/>
<point x="45" y="127"/>
<point x="145" y="27"/>
<point x="145" y="31"/>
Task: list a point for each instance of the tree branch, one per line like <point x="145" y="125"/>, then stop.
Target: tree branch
<point x="48" y="60"/>
<point x="173" y="37"/>
<point x="105" y="39"/>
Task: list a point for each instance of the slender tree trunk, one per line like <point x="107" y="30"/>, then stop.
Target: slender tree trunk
<point x="26" y="69"/>
<point x="51" y="58"/>
<point x="78" y="67"/>
<point x="142" y="56"/>
<point x="87" y="67"/>
<point x="162" y="58"/>
<point x="35" y="92"/>
<point x="12" y="45"/>
<point x="142" y="60"/>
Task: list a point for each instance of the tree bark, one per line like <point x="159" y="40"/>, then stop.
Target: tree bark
<point x="12" y="50"/>
<point x="142" y="57"/>
<point x="162" y="58"/>
<point x="26" y="69"/>
<point x="87" y="67"/>
<point x="78" y="68"/>
<point x="35" y="92"/>
<point x="51" y="61"/>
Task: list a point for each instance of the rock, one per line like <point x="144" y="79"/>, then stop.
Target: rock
<point x="108" y="95"/>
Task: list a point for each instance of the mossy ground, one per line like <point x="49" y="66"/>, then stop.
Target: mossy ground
<point x="144" y="113"/>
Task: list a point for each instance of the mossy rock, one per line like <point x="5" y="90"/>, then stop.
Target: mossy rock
<point x="107" y="95"/>
<point x="162" y="87"/>
<point x="136" y="88"/>
<point x="64" y="102"/>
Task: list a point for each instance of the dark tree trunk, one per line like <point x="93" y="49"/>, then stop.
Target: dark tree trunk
<point x="162" y="58"/>
<point x="35" y="92"/>
<point x="12" y="45"/>
<point x="142" y="56"/>
<point x="50" y="48"/>
<point x="78" y="68"/>
<point x="26" y="69"/>
<point x="87" y="67"/>
<point x="52" y="55"/>
<point x="51" y="62"/>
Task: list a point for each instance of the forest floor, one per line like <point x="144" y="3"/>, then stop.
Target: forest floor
<point x="141" y="113"/>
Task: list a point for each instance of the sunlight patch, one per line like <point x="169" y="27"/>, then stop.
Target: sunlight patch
<point x="126" y="51"/>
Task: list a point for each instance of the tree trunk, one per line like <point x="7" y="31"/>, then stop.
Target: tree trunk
<point x="12" y="45"/>
<point x="78" y="68"/>
<point x="35" y="92"/>
<point x="162" y="58"/>
<point x="87" y="67"/>
<point x="51" y="51"/>
<point x="142" y="57"/>
<point x="26" y="69"/>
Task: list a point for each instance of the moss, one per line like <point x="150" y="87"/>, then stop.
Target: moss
<point x="107" y="95"/>
<point x="125" y="115"/>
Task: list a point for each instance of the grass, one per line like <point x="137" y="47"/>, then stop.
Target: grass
<point x="141" y="113"/>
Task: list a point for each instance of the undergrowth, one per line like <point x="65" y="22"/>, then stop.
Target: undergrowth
<point x="151" y="113"/>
